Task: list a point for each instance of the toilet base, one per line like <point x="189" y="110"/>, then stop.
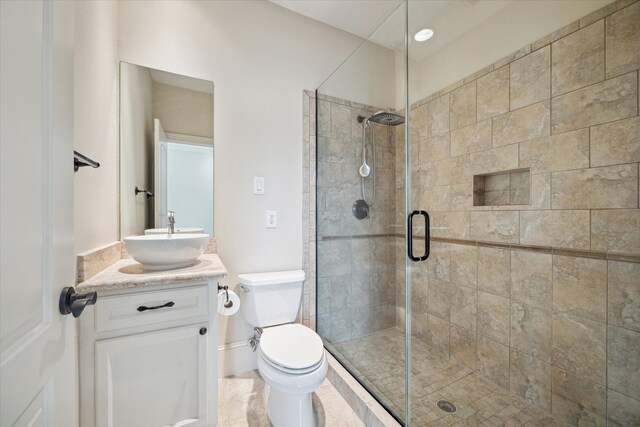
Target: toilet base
<point x="288" y="410"/>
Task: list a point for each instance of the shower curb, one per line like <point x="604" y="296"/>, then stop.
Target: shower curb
<point x="364" y="405"/>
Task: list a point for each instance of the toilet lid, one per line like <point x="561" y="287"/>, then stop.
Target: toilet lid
<point x="292" y="346"/>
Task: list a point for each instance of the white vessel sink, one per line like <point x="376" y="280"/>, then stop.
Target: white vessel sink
<point x="166" y="251"/>
<point x="178" y="230"/>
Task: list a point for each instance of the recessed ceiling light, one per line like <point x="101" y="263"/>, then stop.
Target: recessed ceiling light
<point x="423" y="35"/>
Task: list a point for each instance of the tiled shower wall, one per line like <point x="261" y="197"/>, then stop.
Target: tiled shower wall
<point x="355" y="258"/>
<point x="541" y="297"/>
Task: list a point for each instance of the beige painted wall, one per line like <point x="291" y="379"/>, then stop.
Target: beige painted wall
<point x="367" y="77"/>
<point x="182" y="110"/>
<point x="260" y="58"/>
<point x="96" y="195"/>
<point x="257" y="114"/>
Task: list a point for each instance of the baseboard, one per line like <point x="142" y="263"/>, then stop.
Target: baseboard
<point x="235" y="358"/>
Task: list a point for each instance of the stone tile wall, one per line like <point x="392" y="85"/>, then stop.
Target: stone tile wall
<point x="355" y="292"/>
<point x="542" y="298"/>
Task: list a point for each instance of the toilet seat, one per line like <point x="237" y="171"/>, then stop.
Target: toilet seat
<point x="292" y="348"/>
<point x="288" y="370"/>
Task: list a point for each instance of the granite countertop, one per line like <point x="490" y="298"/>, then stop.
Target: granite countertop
<point x="128" y="273"/>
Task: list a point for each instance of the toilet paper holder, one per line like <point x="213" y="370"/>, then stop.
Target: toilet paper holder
<point x="228" y="303"/>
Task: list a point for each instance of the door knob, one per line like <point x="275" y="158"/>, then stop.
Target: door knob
<point x="74" y="303"/>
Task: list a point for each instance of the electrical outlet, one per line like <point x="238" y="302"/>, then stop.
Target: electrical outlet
<point x="272" y="219"/>
<point x="258" y="185"/>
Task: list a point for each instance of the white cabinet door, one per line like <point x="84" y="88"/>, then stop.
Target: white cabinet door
<point x="38" y="378"/>
<point x="153" y="379"/>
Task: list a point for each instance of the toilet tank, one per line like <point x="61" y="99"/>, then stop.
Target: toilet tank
<point x="271" y="298"/>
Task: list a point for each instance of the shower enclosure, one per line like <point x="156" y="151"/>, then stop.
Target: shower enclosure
<point x="477" y="225"/>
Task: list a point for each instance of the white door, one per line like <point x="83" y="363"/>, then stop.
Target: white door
<point x="153" y="379"/>
<point x="159" y="175"/>
<point x="38" y="384"/>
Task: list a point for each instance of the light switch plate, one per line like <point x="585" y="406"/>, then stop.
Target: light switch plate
<point x="272" y="219"/>
<point x="258" y="185"/>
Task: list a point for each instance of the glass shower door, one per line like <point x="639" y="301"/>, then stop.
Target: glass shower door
<point x="524" y="127"/>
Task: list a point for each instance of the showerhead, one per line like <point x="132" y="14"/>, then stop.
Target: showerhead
<point x="386" y="118"/>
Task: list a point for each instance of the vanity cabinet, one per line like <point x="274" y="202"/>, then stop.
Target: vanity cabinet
<point x="148" y="357"/>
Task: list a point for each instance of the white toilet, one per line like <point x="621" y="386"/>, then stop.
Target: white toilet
<point x="291" y="357"/>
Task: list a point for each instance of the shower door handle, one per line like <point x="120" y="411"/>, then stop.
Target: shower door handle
<point x="427" y="236"/>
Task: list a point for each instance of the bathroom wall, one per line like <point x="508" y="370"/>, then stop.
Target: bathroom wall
<point x="257" y="92"/>
<point x="355" y="258"/>
<point x="96" y="125"/>
<point x="260" y="57"/>
<point x="379" y="66"/>
<point x="533" y="277"/>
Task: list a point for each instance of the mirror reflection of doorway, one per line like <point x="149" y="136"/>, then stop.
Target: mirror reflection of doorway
<point x="184" y="106"/>
<point x="184" y="169"/>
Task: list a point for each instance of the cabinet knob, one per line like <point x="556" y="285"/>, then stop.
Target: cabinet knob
<point x="203" y="331"/>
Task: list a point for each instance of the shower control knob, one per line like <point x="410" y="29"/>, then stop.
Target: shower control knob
<point x="203" y="331"/>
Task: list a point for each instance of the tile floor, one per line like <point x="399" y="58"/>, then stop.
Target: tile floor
<point x="379" y="360"/>
<point x="241" y="404"/>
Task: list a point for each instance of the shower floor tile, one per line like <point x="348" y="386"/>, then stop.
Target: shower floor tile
<point x="241" y="404"/>
<point x="378" y="361"/>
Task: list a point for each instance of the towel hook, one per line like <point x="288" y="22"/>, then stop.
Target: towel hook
<point x="147" y="192"/>
<point x="80" y="160"/>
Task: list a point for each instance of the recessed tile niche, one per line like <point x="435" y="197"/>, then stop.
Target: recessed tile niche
<point x="502" y="189"/>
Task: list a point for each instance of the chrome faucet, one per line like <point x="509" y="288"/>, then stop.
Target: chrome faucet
<point x="171" y="221"/>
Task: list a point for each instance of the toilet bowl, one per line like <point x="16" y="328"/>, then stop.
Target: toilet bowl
<point x="293" y="365"/>
<point x="290" y="357"/>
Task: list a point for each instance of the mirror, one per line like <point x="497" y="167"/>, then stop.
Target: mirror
<point x="166" y="151"/>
